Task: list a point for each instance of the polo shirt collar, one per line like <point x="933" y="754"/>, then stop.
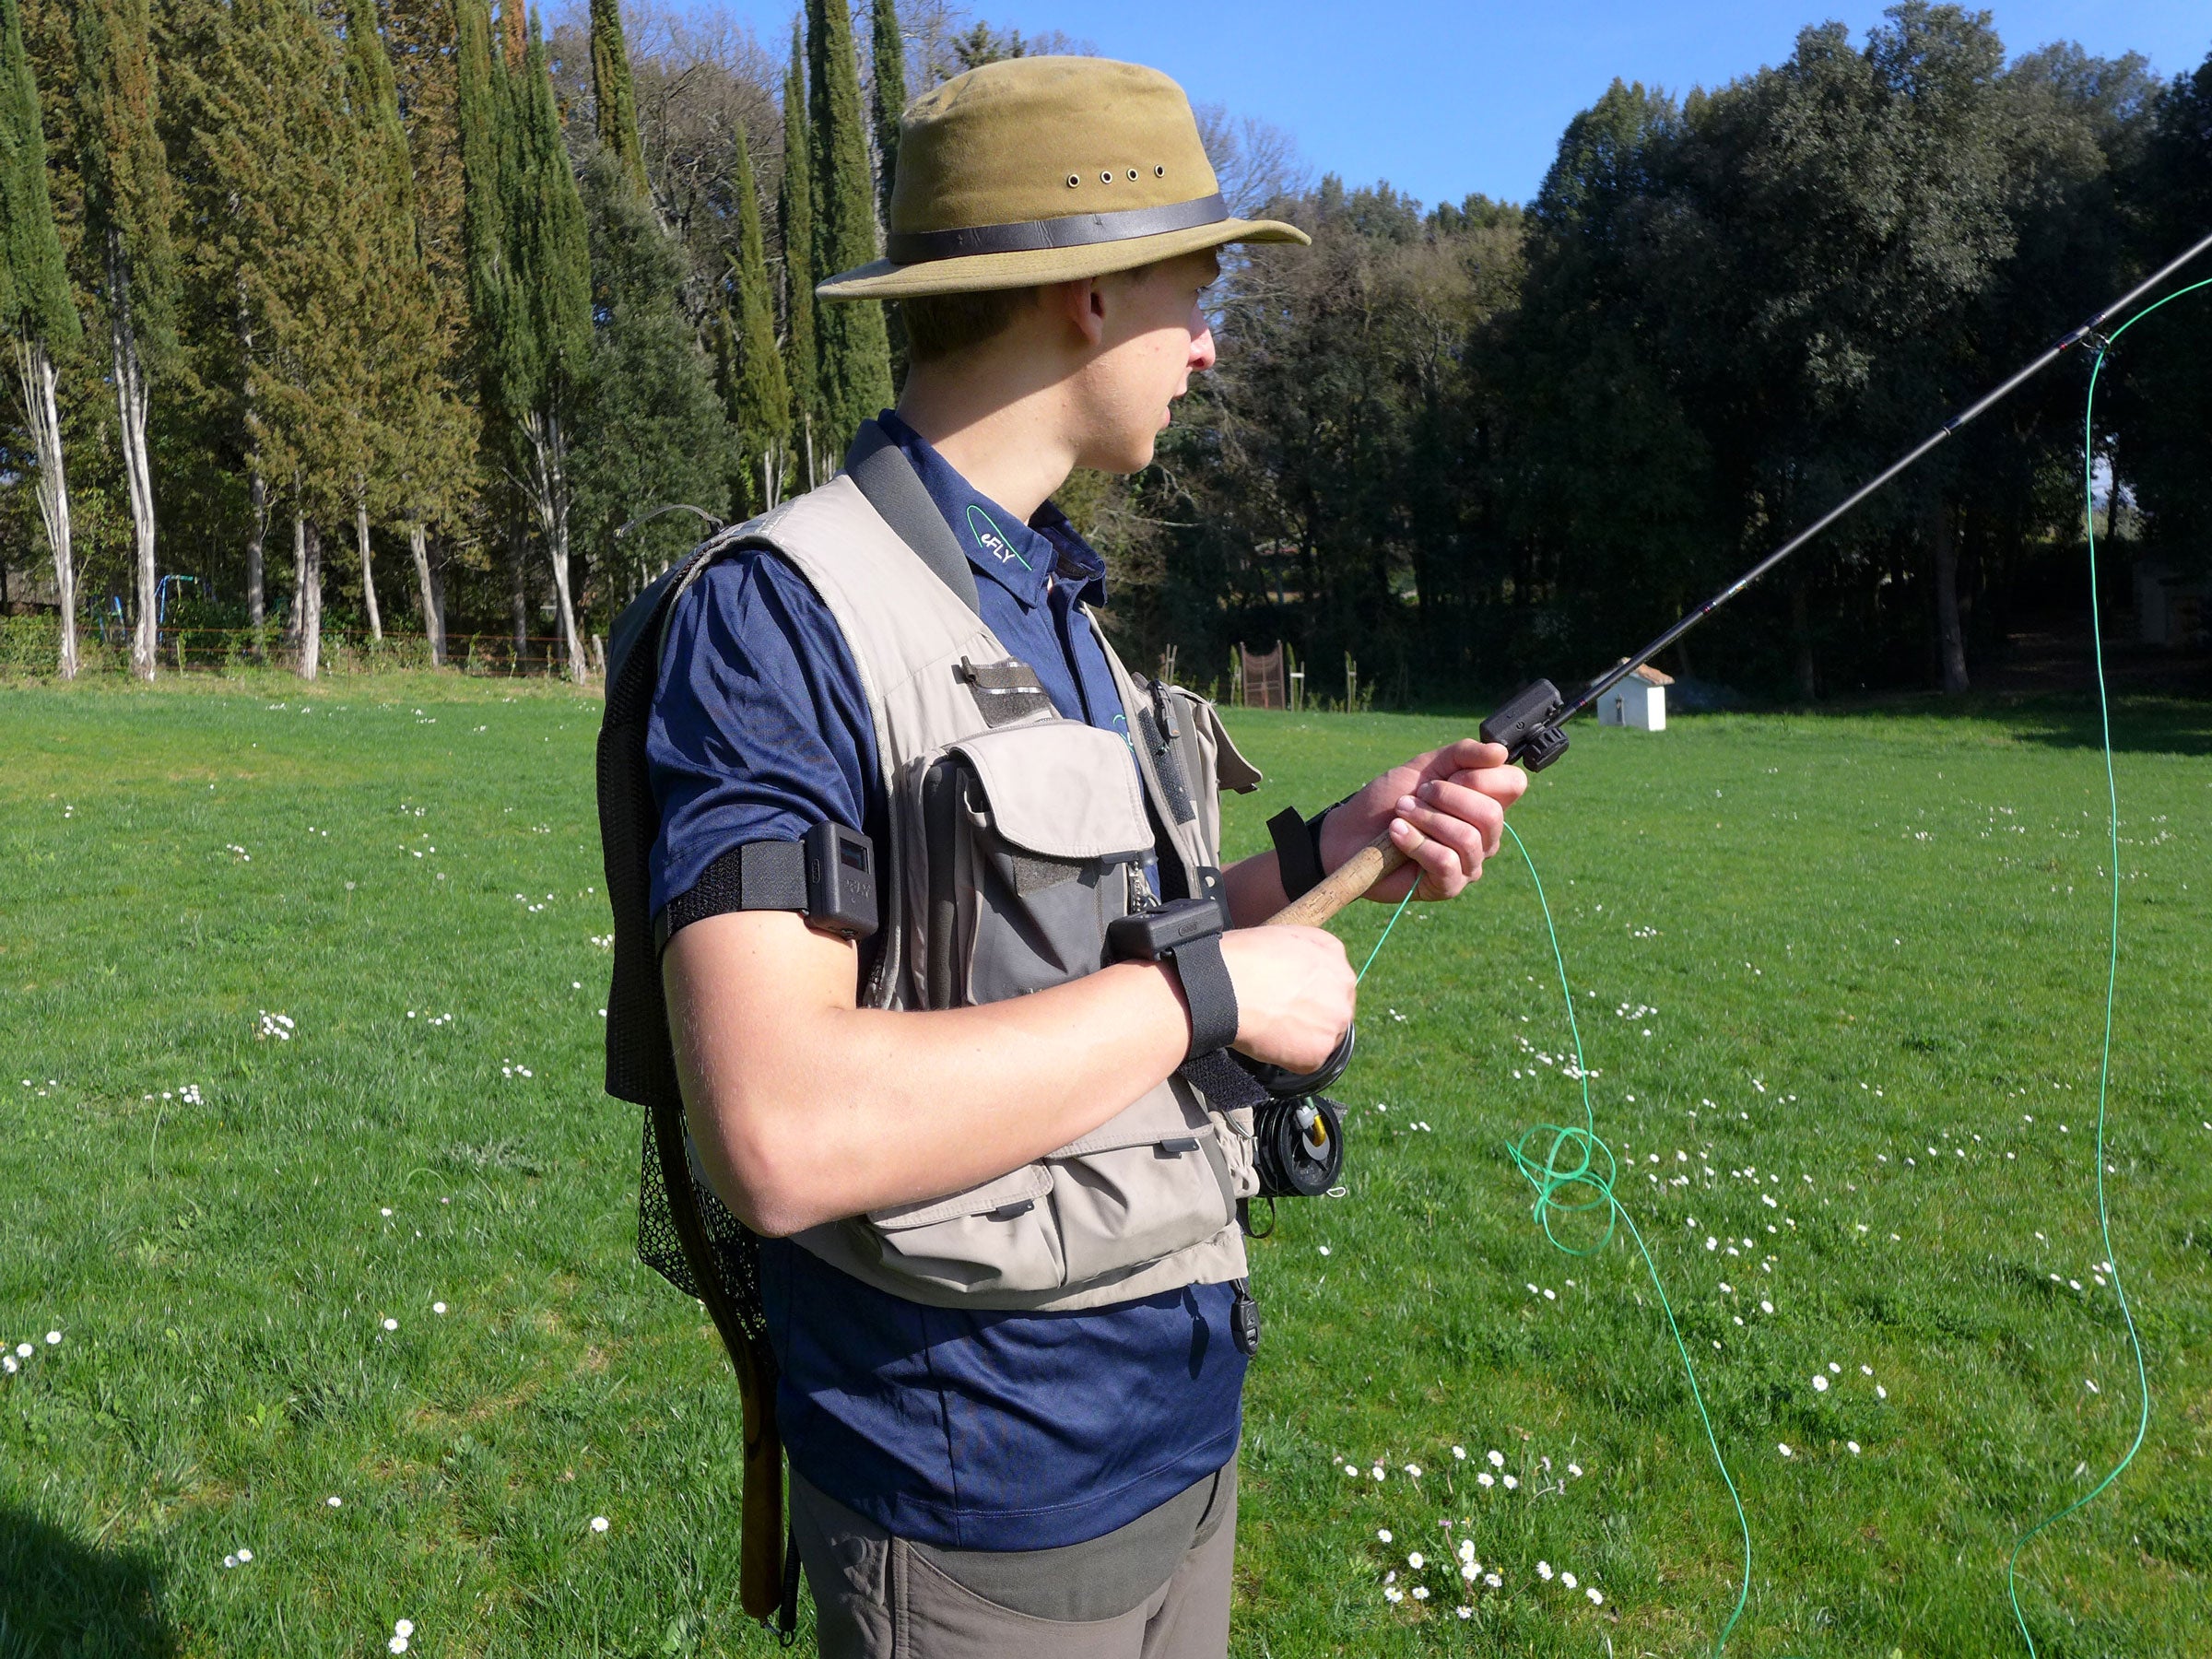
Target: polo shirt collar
<point x="1021" y="558"/>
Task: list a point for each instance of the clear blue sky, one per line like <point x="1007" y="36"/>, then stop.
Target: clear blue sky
<point x="1441" y="97"/>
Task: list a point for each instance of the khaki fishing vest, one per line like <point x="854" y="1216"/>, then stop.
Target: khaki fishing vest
<point x="1016" y="836"/>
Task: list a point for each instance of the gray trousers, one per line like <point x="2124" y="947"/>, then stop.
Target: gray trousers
<point x="1155" y="1589"/>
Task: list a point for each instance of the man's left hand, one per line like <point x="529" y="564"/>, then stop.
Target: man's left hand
<point x="1445" y="811"/>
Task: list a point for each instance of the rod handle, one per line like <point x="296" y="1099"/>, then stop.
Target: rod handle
<point x="1346" y="882"/>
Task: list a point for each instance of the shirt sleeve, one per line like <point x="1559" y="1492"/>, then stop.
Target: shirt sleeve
<point x="761" y="727"/>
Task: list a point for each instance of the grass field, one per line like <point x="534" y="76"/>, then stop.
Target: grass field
<point x="300" y="1003"/>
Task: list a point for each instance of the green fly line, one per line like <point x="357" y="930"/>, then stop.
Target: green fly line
<point x="2111" y="972"/>
<point x="1572" y="1168"/>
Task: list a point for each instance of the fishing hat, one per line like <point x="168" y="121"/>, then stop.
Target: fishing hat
<point x="1041" y="169"/>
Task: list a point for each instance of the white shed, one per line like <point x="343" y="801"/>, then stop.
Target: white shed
<point x="1639" y="700"/>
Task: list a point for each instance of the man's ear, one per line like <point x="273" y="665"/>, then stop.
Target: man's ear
<point x="1082" y="304"/>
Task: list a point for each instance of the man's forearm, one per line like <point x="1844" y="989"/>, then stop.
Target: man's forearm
<point x="806" y="1112"/>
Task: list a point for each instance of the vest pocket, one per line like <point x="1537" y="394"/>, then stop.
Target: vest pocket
<point x="999" y="1236"/>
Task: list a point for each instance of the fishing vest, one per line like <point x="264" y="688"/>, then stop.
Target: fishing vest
<point x="1016" y="836"/>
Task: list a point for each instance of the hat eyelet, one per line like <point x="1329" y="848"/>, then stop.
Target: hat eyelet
<point x="1133" y="175"/>
<point x="1073" y="180"/>
<point x="1160" y="172"/>
<point x="1105" y="178"/>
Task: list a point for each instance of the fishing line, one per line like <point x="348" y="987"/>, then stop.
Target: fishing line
<point x="1563" y="1163"/>
<point x="2112" y="972"/>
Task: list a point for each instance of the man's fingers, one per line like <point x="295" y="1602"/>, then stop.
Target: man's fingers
<point x="1444" y="867"/>
<point x="1485" y="812"/>
<point x="1469" y="754"/>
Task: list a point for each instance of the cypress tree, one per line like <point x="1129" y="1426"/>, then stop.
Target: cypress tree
<point x="795" y="223"/>
<point x="37" y="312"/>
<point x="127" y="207"/>
<point x="754" y="388"/>
<point x="888" y="90"/>
<point x="854" y="371"/>
<point x="614" y="99"/>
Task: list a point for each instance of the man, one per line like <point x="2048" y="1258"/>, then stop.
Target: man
<point x="992" y="1150"/>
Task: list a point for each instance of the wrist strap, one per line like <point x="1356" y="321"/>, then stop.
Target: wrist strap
<point x="1208" y="990"/>
<point x="1297" y="852"/>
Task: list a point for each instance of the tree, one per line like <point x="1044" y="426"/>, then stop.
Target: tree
<point x="649" y="430"/>
<point x="854" y="372"/>
<point x="614" y="99"/>
<point x="37" y="310"/>
<point x="127" y="209"/>
<point x="754" y="389"/>
<point x="795" y="224"/>
<point x="888" y="92"/>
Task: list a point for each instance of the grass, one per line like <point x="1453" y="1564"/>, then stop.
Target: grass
<point x="1868" y="948"/>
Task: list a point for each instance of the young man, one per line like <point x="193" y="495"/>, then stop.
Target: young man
<point x="994" y="1181"/>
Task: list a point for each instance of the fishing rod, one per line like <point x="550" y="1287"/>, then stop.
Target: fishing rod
<point x="1530" y="722"/>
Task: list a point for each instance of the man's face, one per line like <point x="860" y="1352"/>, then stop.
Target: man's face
<point x="1155" y="333"/>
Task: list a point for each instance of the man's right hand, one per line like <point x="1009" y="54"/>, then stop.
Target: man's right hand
<point x="1295" y="993"/>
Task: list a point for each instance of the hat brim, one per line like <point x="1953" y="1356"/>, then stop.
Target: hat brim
<point x="980" y="272"/>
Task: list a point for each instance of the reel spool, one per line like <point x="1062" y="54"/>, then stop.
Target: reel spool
<point x="1295" y="1086"/>
<point x="1299" y="1144"/>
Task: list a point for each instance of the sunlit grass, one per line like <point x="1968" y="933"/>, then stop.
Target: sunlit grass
<point x="1851" y="940"/>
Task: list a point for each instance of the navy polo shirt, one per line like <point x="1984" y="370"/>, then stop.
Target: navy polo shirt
<point x="954" y="1428"/>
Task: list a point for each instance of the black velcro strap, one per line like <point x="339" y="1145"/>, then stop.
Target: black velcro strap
<point x="1297" y="856"/>
<point x="1209" y="990"/>
<point x="769" y="875"/>
<point x="1227" y="1086"/>
<point x="1006" y="691"/>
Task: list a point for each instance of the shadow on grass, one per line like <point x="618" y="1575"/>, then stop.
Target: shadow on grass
<point x="2141" y="725"/>
<point x="61" y="1600"/>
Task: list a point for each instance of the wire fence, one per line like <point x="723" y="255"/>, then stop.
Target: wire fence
<point x="31" y="645"/>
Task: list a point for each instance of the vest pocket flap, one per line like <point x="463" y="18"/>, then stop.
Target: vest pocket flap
<point x="1231" y="770"/>
<point x="1061" y="789"/>
<point x="1155" y="1118"/>
<point x="1010" y="1193"/>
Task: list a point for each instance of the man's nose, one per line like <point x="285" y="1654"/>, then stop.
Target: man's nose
<point x="1202" y="349"/>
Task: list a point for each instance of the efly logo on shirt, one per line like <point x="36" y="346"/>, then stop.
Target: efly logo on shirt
<point x="991" y="538"/>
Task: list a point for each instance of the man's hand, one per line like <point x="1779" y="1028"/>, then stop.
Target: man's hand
<point x="1445" y="811"/>
<point x="1295" y="992"/>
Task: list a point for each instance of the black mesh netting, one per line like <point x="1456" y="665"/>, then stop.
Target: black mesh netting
<point x="735" y="1249"/>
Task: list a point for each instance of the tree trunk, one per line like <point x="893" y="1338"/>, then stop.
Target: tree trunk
<point x="519" y="599"/>
<point x="549" y="497"/>
<point x="36" y="370"/>
<point x="1801" y="638"/>
<point x="1951" y="635"/>
<point x="433" y="623"/>
<point x="361" y="536"/>
<point x="131" y="405"/>
<point x="307" y="604"/>
<point x="257" y="499"/>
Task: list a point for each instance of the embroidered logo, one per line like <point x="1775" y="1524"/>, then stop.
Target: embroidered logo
<point x="989" y="537"/>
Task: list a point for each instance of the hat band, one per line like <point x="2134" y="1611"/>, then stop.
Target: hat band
<point x="1075" y="231"/>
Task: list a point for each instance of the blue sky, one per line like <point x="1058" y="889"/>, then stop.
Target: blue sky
<point x="1443" y="98"/>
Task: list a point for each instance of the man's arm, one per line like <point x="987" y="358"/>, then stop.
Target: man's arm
<point x="1445" y="811"/>
<point x="807" y="1108"/>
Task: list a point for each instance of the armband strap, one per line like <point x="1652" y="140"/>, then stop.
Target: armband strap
<point x="1297" y="848"/>
<point x="1207" y="988"/>
<point x="829" y="877"/>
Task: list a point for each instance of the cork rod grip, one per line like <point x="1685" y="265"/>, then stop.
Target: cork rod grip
<point x="1346" y="882"/>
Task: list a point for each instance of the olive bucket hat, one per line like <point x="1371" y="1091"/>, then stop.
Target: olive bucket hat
<point x="1043" y="170"/>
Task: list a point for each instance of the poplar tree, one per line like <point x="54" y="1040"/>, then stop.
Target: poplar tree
<point x="795" y="223"/>
<point x="755" y="391"/>
<point x="127" y="210"/>
<point x="854" y="372"/>
<point x="37" y="312"/>
<point x="614" y="98"/>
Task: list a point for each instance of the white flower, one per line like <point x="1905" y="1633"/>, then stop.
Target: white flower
<point x="1466" y="1612"/>
<point x="1325" y="1250"/>
<point x="23" y="1350"/>
<point x="1853" y="1447"/>
<point x="1415" y="1560"/>
<point x="1834" y="1369"/>
<point x="391" y="1325"/>
<point x="1382" y="1533"/>
<point x="385" y="1210"/>
<point x="1880" y="1393"/>
<point x="437" y="1307"/>
<point x="245" y="1555"/>
<point x="2090" y="1383"/>
<point x="1392" y="1596"/>
<point x="1568" y="1578"/>
<point x="1484" y="1479"/>
<point x="1819" y="1383"/>
<point x="599" y="1523"/>
<point x="405" y="1626"/>
<point x="1466" y="1549"/>
<point x="333" y="1500"/>
<point x="1353" y="1470"/>
<point x="1510" y="1481"/>
<point x="1414" y="1470"/>
<point x="1766" y="1307"/>
<point x="1867" y="1370"/>
<point x="1575" y="1470"/>
<point x="1420" y="1593"/>
<point x="1544" y="1570"/>
<point x="1595" y="1599"/>
<point x="1497" y="1459"/>
<point x="1470" y="1569"/>
<point x="398" y="1644"/>
<point x="1492" y="1580"/>
<point x="1460" y="1453"/>
<point x="230" y="1562"/>
<point x="1782" y="1449"/>
<point x="1376" y="1470"/>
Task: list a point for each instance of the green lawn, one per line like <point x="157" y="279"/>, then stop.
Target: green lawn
<point x="1853" y="965"/>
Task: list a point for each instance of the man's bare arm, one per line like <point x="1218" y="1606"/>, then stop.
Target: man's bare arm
<point x="806" y="1109"/>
